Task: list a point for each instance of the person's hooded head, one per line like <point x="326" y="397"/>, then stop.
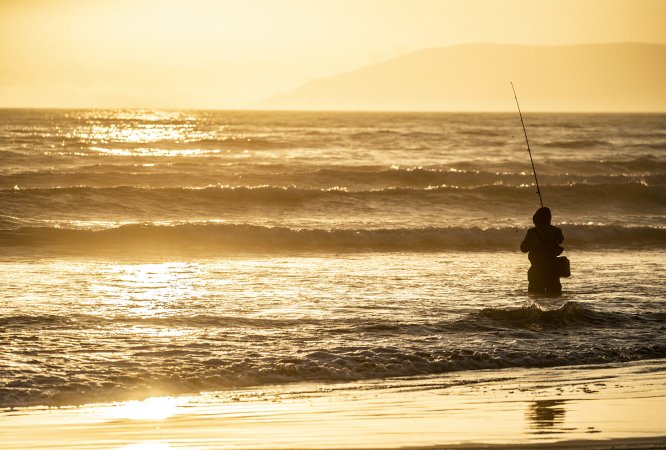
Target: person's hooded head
<point x="542" y="217"/>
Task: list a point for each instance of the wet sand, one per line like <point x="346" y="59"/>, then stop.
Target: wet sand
<point x="620" y="406"/>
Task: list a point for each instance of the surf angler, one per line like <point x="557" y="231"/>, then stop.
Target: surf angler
<point x="543" y="244"/>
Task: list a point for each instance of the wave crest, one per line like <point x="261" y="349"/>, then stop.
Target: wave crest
<point x="535" y="317"/>
<point x="208" y="238"/>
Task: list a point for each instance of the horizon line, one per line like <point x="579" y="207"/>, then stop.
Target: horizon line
<point x="349" y="111"/>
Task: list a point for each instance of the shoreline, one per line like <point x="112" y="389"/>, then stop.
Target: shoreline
<point x="619" y="405"/>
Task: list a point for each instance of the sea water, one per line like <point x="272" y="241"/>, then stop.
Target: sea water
<point x="162" y="252"/>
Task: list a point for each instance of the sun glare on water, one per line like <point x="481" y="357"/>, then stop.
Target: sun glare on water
<point x="144" y="288"/>
<point x="155" y="408"/>
<point x="143" y="133"/>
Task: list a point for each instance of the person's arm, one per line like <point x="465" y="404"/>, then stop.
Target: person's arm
<point x="559" y="237"/>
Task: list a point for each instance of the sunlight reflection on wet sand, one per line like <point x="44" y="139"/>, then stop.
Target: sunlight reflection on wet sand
<point x="492" y="407"/>
<point x="155" y="408"/>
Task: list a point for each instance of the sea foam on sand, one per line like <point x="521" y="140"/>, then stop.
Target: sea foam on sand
<point x="616" y="406"/>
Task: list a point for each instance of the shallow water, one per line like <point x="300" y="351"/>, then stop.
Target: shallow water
<point x="79" y="330"/>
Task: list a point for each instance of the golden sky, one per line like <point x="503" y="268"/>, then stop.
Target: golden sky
<point x="222" y="54"/>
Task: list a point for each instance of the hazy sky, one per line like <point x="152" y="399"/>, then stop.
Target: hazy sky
<point x="229" y="54"/>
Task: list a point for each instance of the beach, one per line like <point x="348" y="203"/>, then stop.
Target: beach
<point x="617" y="406"/>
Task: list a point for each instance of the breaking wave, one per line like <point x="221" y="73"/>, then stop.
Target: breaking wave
<point x="238" y="237"/>
<point x="124" y="199"/>
<point x="204" y="367"/>
<point x="182" y="172"/>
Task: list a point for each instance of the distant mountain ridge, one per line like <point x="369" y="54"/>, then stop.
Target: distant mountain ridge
<point x="622" y="77"/>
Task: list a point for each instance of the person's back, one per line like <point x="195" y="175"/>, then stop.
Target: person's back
<point x="542" y="243"/>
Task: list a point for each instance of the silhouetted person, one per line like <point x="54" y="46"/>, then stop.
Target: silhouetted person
<point x="543" y="244"/>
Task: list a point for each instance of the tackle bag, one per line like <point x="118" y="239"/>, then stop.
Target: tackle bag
<point x="562" y="267"/>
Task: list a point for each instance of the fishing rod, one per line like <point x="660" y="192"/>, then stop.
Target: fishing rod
<point x="528" y="144"/>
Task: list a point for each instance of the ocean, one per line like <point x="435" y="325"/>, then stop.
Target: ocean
<point x="165" y="252"/>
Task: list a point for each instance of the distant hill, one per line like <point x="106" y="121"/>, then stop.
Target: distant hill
<point x="475" y="77"/>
